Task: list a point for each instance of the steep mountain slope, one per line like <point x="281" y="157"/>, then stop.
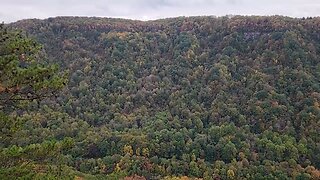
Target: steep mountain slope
<point x="199" y="96"/>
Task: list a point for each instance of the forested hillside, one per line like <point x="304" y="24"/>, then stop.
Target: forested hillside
<point x="198" y="97"/>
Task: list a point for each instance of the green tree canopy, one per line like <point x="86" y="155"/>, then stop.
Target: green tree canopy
<point x="23" y="76"/>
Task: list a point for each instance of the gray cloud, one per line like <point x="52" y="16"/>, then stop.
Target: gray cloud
<point x="12" y="10"/>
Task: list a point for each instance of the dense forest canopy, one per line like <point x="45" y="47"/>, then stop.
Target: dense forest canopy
<point x="199" y="97"/>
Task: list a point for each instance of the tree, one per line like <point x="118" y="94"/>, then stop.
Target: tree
<point x="23" y="77"/>
<point x="229" y="151"/>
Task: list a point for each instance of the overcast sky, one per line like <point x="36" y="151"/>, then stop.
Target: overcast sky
<point x="13" y="10"/>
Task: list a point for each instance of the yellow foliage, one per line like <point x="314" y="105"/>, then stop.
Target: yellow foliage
<point x="138" y="151"/>
<point x="230" y="174"/>
<point x="176" y="178"/>
<point x="145" y="152"/>
<point x="127" y="149"/>
<point x="78" y="178"/>
<point x="117" y="168"/>
<point x="120" y="35"/>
